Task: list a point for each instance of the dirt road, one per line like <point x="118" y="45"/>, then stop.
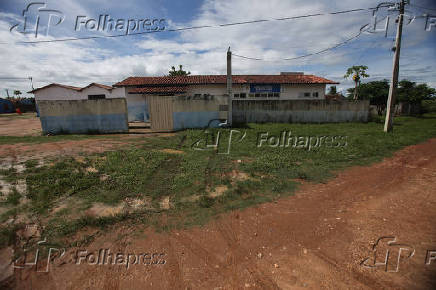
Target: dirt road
<point x="20" y="125"/>
<point x="315" y="239"/>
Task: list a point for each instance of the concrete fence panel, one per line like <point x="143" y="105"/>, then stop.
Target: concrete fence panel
<point x="177" y="113"/>
<point x="84" y="116"/>
<point x="198" y="113"/>
<point x="299" y="111"/>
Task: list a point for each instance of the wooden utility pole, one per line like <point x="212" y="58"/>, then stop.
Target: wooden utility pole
<point x="394" y="82"/>
<point x="31" y="83"/>
<point x="229" y="86"/>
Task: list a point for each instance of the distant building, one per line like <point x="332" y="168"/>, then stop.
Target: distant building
<point x="63" y="92"/>
<point x="336" y="97"/>
<point x="6" y="106"/>
<point x="286" y="86"/>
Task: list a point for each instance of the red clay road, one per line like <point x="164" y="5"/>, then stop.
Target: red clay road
<point x="316" y="239"/>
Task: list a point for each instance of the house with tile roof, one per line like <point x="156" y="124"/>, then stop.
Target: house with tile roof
<point x="93" y="91"/>
<point x="284" y="86"/>
<point x="136" y="90"/>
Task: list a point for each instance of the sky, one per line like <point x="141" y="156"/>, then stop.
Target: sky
<point x="203" y="51"/>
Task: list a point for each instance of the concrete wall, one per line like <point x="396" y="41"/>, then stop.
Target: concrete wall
<point x="83" y="116"/>
<point x="60" y="93"/>
<point x="197" y="113"/>
<point x="169" y="113"/>
<point x="137" y="107"/>
<point x="299" y="111"/>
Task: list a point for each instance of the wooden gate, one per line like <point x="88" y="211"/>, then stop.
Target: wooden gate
<point x="161" y="113"/>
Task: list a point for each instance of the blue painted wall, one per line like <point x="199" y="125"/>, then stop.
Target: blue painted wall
<point x="83" y="124"/>
<point x="6" y="106"/>
<point x="84" y="116"/>
<point x="138" y="111"/>
<point x="190" y="120"/>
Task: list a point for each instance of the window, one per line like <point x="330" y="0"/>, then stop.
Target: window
<point x="243" y="95"/>
<point x="257" y="95"/>
<point x="251" y="95"/>
<point x="197" y="96"/>
<point x="236" y="96"/>
<point x="96" y="97"/>
<point x="304" y="95"/>
<point x="263" y="95"/>
<point x="315" y="94"/>
<point x="273" y="95"/>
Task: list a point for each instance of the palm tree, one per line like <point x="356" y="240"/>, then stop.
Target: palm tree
<point x="173" y="72"/>
<point x="358" y="72"/>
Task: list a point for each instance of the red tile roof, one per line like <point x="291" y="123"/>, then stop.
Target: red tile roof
<point x="55" y="84"/>
<point x="334" y="97"/>
<point x="159" y="90"/>
<point x="221" y="79"/>
<point x="97" y="85"/>
<point x="71" y="87"/>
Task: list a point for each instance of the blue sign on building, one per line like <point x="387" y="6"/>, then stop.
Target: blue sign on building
<point x="274" y="88"/>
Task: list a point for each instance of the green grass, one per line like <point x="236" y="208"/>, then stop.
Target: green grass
<point x="7" y="235"/>
<point x="429" y="106"/>
<point x="145" y="171"/>
<point x="47" y="139"/>
<point x="29" y="115"/>
<point x="13" y="198"/>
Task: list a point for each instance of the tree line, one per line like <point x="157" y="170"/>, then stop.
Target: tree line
<point x="377" y="91"/>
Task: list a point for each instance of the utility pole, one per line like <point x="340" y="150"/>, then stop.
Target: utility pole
<point x="394" y="82"/>
<point x="31" y="83"/>
<point x="229" y="87"/>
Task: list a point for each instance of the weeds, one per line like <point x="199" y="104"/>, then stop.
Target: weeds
<point x="146" y="172"/>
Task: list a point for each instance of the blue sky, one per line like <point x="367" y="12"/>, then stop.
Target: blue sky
<point x="203" y="51"/>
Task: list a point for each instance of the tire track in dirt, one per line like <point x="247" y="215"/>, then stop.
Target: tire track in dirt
<point x="317" y="238"/>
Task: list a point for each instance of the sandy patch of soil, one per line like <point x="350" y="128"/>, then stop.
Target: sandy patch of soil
<point x="316" y="239"/>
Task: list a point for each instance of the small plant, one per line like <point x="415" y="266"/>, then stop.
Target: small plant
<point x="31" y="163"/>
<point x="206" y="201"/>
<point x="7" y="235"/>
<point x="14" y="197"/>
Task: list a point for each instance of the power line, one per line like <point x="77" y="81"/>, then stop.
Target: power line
<point x="426" y="8"/>
<point x="206" y="26"/>
<point x="14" y="78"/>
<point x="362" y="29"/>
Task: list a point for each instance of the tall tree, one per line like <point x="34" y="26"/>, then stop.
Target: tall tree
<point x="409" y="91"/>
<point x="377" y="93"/>
<point x="357" y="72"/>
<point x="173" y="72"/>
<point x="17" y="93"/>
<point x="333" y="90"/>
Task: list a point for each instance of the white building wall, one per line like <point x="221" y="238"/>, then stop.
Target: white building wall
<point x="288" y="92"/>
<point x="110" y="94"/>
<point x="59" y="93"/>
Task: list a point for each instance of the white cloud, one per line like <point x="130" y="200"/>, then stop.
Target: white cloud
<point x="203" y="51"/>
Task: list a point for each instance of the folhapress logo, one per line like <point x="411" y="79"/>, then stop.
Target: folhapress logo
<point x="105" y="23"/>
<point x="387" y="254"/>
<point x="37" y="19"/>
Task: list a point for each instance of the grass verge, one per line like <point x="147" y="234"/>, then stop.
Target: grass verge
<point x="250" y="174"/>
